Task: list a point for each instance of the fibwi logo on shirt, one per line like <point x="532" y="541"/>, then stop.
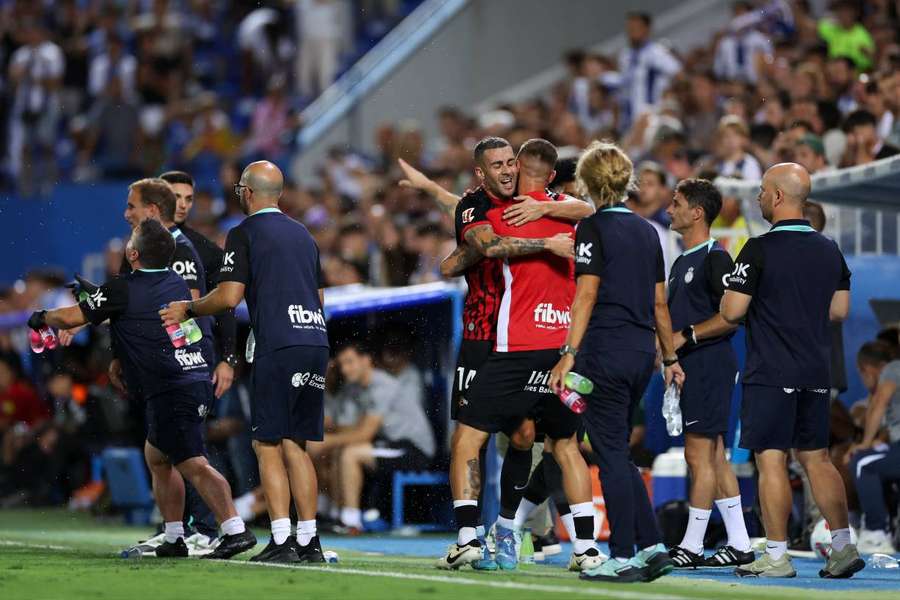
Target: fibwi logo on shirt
<point x="300" y="316"/>
<point x="546" y="314"/>
<point x="189" y="358"/>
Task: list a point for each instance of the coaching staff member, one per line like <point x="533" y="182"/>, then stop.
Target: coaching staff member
<point x="789" y="283"/>
<point x="273" y="261"/>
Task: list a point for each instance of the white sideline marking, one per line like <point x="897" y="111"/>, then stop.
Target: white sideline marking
<point x="507" y="585"/>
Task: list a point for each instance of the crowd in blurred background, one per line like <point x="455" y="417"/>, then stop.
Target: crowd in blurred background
<point x="99" y="90"/>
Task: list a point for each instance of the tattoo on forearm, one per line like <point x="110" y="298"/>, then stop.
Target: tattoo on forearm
<point x="474" y="479"/>
<point x="503" y="247"/>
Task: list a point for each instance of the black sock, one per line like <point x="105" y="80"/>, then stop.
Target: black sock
<point x="553" y="479"/>
<point x="584" y="528"/>
<point x="536" y="492"/>
<point x="466" y="515"/>
<point x="513" y="480"/>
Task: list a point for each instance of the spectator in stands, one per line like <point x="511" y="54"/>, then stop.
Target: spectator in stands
<point x="263" y="43"/>
<point x="322" y="30"/>
<point x="113" y="133"/>
<point x="742" y="48"/>
<point x="394" y="432"/>
<point x="646" y="68"/>
<point x="874" y="100"/>
<point x="864" y="145"/>
<point x="113" y="63"/>
<point x="271" y="124"/>
<point x="431" y="246"/>
<point x="840" y="73"/>
<point x="810" y="153"/>
<point x="734" y="160"/>
<point x="846" y="36"/>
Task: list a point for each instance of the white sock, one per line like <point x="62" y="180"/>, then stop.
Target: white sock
<point x="698" y="519"/>
<point x="733" y="514"/>
<point x="351" y="517"/>
<point x="526" y="507"/>
<point x="504" y="522"/>
<point x="281" y="530"/>
<point x="244" y="506"/>
<point x="465" y="535"/>
<point x="776" y="549"/>
<point x="569" y="522"/>
<point x="233" y="526"/>
<point x="306" y="530"/>
<point x="582" y="509"/>
<point x="174" y="530"/>
<point x="839" y="539"/>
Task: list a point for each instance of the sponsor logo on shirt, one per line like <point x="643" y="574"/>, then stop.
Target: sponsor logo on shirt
<point x="202" y="410"/>
<point x="96" y="299"/>
<point x="689" y="276"/>
<point x="189" y="358"/>
<point x="584" y="253"/>
<point x="537" y="382"/>
<point x="227" y="263"/>
<point x="305" y="319"/>
<point x="739" y="274"/>
<point x="545" y="314"/>
<point x="468" y="215"/>
<point x="186" y="269"/>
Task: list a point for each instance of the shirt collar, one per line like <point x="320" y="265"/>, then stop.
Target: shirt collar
<point x="617" y="207"/>
<point x="270" y="209"/>
<point x="154" y="270"/>
<point x="707" y="244"/>
<point x="175" y="231"/>
<point x="792" y="225"/>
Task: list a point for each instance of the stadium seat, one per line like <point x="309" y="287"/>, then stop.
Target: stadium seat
<point x="402" y="479"/>
<point x="129" y="486"/>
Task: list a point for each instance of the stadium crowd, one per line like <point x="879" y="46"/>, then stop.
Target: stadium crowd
<point x="85" y="86"/>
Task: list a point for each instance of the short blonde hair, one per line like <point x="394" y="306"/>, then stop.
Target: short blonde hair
<point x="604" y="172"/>
<point x="734" y="123"/>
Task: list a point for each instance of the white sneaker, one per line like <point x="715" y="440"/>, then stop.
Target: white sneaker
<point x="589" y="560"/>
<point x="458" y="556"/>
<point x="147" y="547"/>
<point x="200" y="545"/>
<point x="874" y="542"/>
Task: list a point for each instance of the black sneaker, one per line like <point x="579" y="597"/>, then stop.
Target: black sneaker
<point x="310" y="553"/>
<point x="548" y="544"/>
<point x="229" y="545"/>
<point x="729" y="556"/>
<point x="176" y="549"/>
<point x="284" y="553"/>
<point x="685" y="559"/>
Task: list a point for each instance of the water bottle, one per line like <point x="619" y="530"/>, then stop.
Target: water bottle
<point x="133" y="552"/>
<point x="176" y="333"/>
<point x="191" y="331"/>
<point x="251" y="347"/>
<point x="884" y="561"/>
<point x="671" y="410"/>
<point x="573" y="387"/>
<point x="43" y="339"/>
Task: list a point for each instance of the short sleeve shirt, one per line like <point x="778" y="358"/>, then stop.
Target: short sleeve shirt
<point x="891" y="373"/>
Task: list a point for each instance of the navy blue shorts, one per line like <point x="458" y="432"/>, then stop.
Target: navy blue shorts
<point x="175" y="421"/>
<point x="288" y="395"/>
<point x="774" y="418"/>
<point x="710" y="375"/>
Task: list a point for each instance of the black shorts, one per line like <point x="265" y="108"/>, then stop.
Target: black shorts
<point x="288" y="394"/>
<point x="710" y="375"/>
<point x="472" y="354"/>
<point x="175" y="421"/>
<point x="512" y="386"/>
<point x="398" y="456"/>
<point x="774" y="418"/>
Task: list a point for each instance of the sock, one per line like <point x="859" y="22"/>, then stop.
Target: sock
<point x="733" y="515"/>
<point x="334" y="513"/>
<point x="698" y="519"/>
<point x="776" y="549"/>
<point x="536" y="492"/>
<point x="281" y="530"/>
<point x="323" y="503"/>
<point x="479" y="532"/>
<point x="466" y="513"/>
<point x="233" y="526"/>
<point x="306" y="530"/>
<point x="513" y="480"/>
<point x="583" y="518"/>
<point x="526" y="507"/>
<point x="569" y="522"/>
<point x="351" y="517"/>
<point x="174" y="530"/>
<point x="505" y="522"/>
<point x="244" y="506"/>
<point x="839" y="539"/>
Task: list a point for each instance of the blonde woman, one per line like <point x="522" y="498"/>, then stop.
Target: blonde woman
<point x="619" y="308"/>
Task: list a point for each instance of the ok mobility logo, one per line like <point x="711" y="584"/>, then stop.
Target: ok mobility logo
<point x="739" y="274"/>
<point x="583" y="256"/>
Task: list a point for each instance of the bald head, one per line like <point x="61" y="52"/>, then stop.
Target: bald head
<point x="792" y="179"/>
<point x="265" y="179"/>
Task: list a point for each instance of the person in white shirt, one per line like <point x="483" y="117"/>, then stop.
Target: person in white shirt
<point x="740" y="49"/>
<point x="646" y="68"/>
<point x="734" y="160"/>
<point x="114" y="62"/>
<point x="322" y="33"/>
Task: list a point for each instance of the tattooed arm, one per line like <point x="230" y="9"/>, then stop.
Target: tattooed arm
<point x="488" y="243"/>
<point x="459" y="260"/>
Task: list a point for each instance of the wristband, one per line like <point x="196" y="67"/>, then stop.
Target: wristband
<point x="668" y="362"/>
<point x="189" y="313"/>
<point x="690" y="336"/>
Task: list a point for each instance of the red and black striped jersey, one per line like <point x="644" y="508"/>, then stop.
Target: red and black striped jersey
<point x="484" y="278"/>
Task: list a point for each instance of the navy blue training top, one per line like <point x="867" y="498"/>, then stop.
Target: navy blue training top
<point x="696" y="285"/>
<point x="131" y="302"/>
<point x="623" y="250"/>
<point x="277" y="260"/>
<point x="792" y="272"/>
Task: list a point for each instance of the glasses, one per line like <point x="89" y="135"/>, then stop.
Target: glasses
<point x="238" y="187"/>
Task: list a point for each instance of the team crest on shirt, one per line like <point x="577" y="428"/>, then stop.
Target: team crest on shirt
<point x="689" y="276"/>
<point x="468" y="215"/>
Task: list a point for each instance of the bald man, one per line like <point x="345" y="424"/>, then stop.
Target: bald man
<point x="273" y="261"/>
<point x="786" y="286"/>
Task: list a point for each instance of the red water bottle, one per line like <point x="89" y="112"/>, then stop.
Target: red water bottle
<point x="573" y="400"/>
<point x="37" y="341"/>
<point x="43" y="339"/>
<point x="176" y="333"/>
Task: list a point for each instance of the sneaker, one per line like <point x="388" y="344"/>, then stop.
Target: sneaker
<point x="843" y="564"/>
<point x="657" y="560"/>
<point x="490" y="540"/>
<point x="548" y="545"/>
<point x="486" y="562"/>
<point x="310" y="553"/>
<point x="200" y="545"/>
<point x="616" y="571"/>
<point x="284" y="553"/>
<point x="176" y="549"/>
<point x="508" y="542"/>
<point x="765" y="566"/>
<point x="875" y="542"/>
<point x="458" y="556"/>
<point x="729" y="556"/>
<point x="146" y="547"/>
<point x="685" y="559"/>
<point x="230" y="545"/>
<point x="592" y="558"/>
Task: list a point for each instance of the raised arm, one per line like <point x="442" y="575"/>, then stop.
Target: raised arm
<point x="416" y="179"/>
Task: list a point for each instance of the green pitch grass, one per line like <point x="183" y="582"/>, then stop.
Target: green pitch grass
<point x="57" y="554"/>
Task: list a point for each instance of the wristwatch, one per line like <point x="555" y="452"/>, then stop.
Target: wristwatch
<point x="668" y="362"/>
<point x="567" y="349"/>
<point x="231" y="360"/>
<point x="690" y="336"/>
<point x="189" y="313"/>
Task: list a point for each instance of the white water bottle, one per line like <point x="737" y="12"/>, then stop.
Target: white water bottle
<point x="671" y="410"/>
<point x="250" y="349"/>
<point x="883" y="561"/>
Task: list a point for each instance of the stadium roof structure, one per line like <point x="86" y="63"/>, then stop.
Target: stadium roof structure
<point x="873" y="185"/>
